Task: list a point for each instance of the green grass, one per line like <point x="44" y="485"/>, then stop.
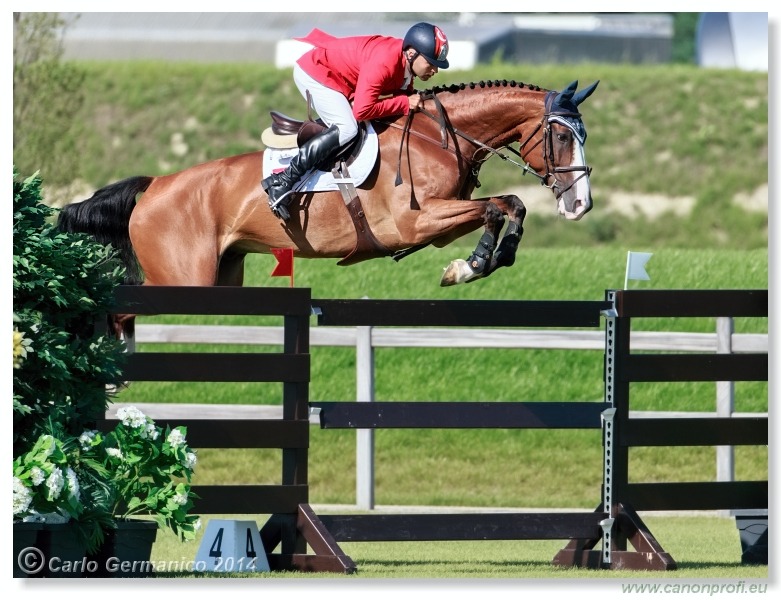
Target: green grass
<point x="493" y="468"/>
<point x="703" y="547"/>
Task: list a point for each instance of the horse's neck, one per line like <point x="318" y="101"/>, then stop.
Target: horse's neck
<point x="497" y="115"/>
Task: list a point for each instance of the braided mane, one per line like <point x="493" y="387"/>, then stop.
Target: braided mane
<point x="455" y="87"/>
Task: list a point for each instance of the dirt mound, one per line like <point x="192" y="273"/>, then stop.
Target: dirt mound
<point x="540" y="201"/>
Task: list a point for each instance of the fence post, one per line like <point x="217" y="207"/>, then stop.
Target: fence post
<point x="364" y="459"/>
<point x="725" y="400"/>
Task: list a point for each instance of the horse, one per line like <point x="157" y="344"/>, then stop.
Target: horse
<point x="196" y="226"/>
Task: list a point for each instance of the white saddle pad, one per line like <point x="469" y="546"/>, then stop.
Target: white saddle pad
<point x="277" y="159"/>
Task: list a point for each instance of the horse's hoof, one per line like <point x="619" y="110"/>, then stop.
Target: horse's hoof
<point x="451" y="274"/>
<point x="458" y="271"/>
<point x="447" y="278"/>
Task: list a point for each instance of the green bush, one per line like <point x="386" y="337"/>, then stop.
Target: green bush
<point x="64" y="359"/>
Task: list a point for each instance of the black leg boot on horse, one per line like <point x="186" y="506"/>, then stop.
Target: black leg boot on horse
<point x="279" y="186"/>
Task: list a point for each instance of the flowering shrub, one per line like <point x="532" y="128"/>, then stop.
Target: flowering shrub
<point x="22" y="345"/>
<point x="45" y="482"/>
<point x="56" y="482"/>
<point x="63" y="284"/>
<point x="63" y="364"/>
<point x="150" y="471"/>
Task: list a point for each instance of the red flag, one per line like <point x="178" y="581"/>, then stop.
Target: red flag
<point x="284" y="267"/>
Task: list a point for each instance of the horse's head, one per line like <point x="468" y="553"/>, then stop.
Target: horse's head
<point x="547" y="126"/>
<point x="565" y="170"/>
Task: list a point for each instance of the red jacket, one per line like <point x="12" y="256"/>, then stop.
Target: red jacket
<point x="363" y="68"/>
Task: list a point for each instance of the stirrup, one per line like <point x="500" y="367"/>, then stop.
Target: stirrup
<point x="279" y="206"/>
<point x="283" y="200"/>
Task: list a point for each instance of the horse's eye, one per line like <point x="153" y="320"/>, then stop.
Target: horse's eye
<point x="562" y="137"/>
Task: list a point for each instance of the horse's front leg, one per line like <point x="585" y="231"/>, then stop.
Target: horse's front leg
<point x="505" y="253"/>
<point x="479" y="264"/>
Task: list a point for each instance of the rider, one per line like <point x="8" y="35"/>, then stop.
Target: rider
<point x="355" y="79"/>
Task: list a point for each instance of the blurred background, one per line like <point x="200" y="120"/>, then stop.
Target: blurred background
<point x="709" y="39"/>
<point x="678" y="128"/>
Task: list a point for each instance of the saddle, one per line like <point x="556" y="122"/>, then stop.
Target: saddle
<point x="287" y="132"/>
<point x="303" y="130"/>
<point x="290" y="132"/>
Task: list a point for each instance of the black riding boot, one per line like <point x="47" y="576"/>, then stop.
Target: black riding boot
<point x="279" y="186"/>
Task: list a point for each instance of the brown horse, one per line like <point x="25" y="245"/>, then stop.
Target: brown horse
<point x="195" y="227"/>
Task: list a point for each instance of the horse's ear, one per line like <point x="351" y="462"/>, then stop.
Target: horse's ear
<point x="583" y="94"/>
<point x="566" y="93"/>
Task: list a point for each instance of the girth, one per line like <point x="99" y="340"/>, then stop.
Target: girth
<point x="366" y="244"/>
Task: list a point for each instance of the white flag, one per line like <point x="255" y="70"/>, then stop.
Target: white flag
<point x="635" y="266"/>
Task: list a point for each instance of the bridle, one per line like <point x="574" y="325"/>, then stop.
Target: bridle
<point x="553" y="114"/>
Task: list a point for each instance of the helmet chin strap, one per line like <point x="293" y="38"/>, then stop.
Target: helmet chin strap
<point x="412" y="60"/>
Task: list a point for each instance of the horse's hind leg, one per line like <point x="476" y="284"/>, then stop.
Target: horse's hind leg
<point x="231" y="269"/>
<point x="479" y="264"/>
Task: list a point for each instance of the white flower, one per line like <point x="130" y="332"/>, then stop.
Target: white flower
<point x="37" y="475"/>
<point x="180" y="498"/>
<point x="22" y="497"/>
<point x="86" y="439"/>
<point x="176" y="438"/>
<point x="152" y="431"/>
<point x="73" y="483"/>
<point x="54" y="483"/>
<point x="189" y="460"/>
<point x="131" y="417"/>
<point x="115" y="452"/>
<point x="197" y="525"/>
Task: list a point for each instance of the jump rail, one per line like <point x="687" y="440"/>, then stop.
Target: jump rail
<point x="615" y="522"/>
<point x="522" y="415"/>
<point x="364" y="339"/>
<point x="294" y="526"/>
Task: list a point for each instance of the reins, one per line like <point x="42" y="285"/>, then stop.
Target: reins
<point x="546" y="139"/>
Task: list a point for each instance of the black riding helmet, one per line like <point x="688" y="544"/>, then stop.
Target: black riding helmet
<point x="429" y="41"/>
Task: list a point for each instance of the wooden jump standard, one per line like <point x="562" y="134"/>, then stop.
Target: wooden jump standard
<point x="292" y="524"/>
<point x="521" y="415"/>
<point x="622" y="367"/>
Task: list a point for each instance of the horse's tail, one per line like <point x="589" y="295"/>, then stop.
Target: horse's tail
<point x="106" y="217"/>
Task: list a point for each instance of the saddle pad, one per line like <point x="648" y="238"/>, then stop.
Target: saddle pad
<point x="277" y="159"/>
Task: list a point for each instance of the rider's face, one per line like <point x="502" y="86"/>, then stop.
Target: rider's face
<point x="422" y="69"/>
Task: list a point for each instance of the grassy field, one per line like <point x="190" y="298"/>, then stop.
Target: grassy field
<point x="703" y="547"/>
<point x="637" y="112"/>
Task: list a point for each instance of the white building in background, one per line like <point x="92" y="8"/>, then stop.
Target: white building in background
<point x="475" y="38"/>
<point x="733" y="40"/>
